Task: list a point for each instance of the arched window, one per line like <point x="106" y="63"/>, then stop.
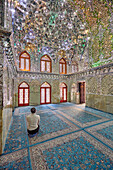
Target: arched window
<point x="23" y="94"/>
<point x="24" y="61"/>
<point x="45" y="64"/>
<point x="74" y="67"/>
<point x="63" y="68"/>
<point x="63" y="92"/>
<point x="45" y="93"/>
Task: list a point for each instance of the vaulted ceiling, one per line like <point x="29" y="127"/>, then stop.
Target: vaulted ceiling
<point x="72" y="29"/>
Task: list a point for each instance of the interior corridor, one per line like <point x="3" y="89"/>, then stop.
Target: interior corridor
<point x="70" y="137"/>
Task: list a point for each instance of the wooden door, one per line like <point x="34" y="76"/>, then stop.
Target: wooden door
<point x="45" y="94"/>
<point x="23" y="94"/>
<point x="82" y="92"/>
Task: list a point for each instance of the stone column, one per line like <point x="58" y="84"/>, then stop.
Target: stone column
<point x="1" y="92"/>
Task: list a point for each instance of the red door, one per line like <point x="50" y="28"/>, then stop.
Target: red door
<point x="82" y="92"/>
<point x="45" y="93"/>
<point x="23" y="94"/>
<point x="63" y="92"/>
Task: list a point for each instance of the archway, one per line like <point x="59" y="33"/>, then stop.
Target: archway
<point x="23" y="94"/>
<point x="82" y="92"/>
<point x="45" y="93"/>
<point x="73" y="91"/>
<point x="63" y="92"/>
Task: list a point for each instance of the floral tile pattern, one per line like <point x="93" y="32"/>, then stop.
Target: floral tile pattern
<point x="107" y="132"/>
<point x="82" y="117"/>
<point x="24" y="109"/>
<point x="76" y="154"/>
<point x="50" y="123"/>
<point x="17" y="137"/>
<point x="19" y="164"/>
<point x="15" y="160"/>
<point x="103" y="132"/>
<point x="70" y="137"/>
<point x="98" y="112"/>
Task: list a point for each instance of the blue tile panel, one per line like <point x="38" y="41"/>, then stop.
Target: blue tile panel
<point x="24" y="109"/>
<point x="107" y="132"/>
<point x="17" y="137"/>
<point x="95" y="111"/>
<point x="22" y="163"/>
<point x="82" y="117"/>
<point x="76" y="154"/>
<point x="28" y="108"/>
<point x="42" y="107"/>
<point x="51" y="123"/>
<point x="100" y="113"/>
<point x="61" y="105"/>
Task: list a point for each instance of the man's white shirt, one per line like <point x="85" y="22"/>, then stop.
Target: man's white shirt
<point x="32" y="121"/>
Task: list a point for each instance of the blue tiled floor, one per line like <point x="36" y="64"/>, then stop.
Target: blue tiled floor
<point x="77" y="153"/>
<point x="82" y="117"/>
<point x="107" y="132"/>
<point x="28" y="108"/>
<point x="50" y="123"/>
<point x="17" y="134"/>
<point x="24" y="109"/>
<point x="16" y="138"/>
<point x="100" y="113"/>
<point x="18" y="164"/>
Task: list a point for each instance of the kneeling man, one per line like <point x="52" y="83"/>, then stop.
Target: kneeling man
<point x="33" y="122"/>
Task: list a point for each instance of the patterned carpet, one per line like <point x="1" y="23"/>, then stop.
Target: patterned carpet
<point x="71" y="137"/>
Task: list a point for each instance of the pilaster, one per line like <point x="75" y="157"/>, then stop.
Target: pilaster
<point x="4" y="35"/>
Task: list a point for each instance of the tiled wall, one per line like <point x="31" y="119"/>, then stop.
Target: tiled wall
<point x="35" y="85"/>
<point x="100" y="92"/>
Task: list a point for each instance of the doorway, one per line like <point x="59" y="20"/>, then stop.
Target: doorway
<point x="63" y="92"/>
<point x="45" y="93"/>
<point x="82" y="92"/>
<point x="23" y="94"/>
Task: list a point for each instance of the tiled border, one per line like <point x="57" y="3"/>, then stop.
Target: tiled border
<point x="37" y="151"/>
<point x="93" y="130"/>
<point x="7" y="159"/>
<point x="81" y="124"/>
<point x="54" y="134"/>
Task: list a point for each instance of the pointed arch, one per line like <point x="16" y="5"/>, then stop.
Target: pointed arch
<point x="74" y="67"/>
<point x="62" y="66"/>
<point x="24" y="61"/>
<point x="23" y="94"/>
<point x="45" y="93"/>
<point x="73" y="92"/>
<point x="45" y="64"/>
<point x="63" y="92"/>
